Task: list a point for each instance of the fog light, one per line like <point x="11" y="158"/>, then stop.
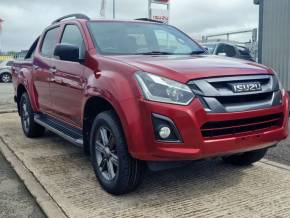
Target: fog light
<point x="164" y="132"/>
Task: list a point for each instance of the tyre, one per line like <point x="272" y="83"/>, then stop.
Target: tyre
<point x="6" y="77"/>
<point x="117" y="172"/>
<point x="246" y="158"/>
<point x="30" y="128"/>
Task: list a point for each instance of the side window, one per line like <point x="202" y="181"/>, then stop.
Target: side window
<point x="73" y="36"/>
<point x="220" y="49"/>
<point x="31" y="51"/>
<point x="230" y="51"/>
<point x="49" y="42"/>
<point x="9" y="63"/>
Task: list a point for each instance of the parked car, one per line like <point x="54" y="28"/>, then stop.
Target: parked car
<point x="229" y="50"/>
<point x="141" y="93"/>
<point x="5" y="71"/>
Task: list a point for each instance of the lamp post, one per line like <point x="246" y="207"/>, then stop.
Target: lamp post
<point x="114" y="9"/>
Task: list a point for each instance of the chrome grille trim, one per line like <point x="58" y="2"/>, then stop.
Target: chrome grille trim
<point x="217" y="95"/>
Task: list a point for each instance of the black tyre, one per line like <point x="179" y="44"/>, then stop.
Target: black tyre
<point x="6" y="77"/>
<point x="117" y="172"/>
<point x="30" y="128"/>
<point x="246" y="158"/>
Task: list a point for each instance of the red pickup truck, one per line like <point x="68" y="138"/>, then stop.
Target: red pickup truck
<point x="141" y="93"/>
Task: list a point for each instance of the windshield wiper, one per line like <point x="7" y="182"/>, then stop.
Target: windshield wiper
<point x="198" y="52"/>
<point x="156" y="53"/>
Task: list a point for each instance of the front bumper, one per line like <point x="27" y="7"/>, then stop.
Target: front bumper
<point x="189" y="119"/>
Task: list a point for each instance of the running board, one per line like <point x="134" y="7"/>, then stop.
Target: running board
<point x="65" y="131"/>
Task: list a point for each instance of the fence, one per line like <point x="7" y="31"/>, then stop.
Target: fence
<point x="6" y="56"/>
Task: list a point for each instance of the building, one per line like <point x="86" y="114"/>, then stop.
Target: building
<point x="274" y="37"/>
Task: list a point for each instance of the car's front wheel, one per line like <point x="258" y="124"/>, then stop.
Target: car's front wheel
<point x="6" y="77"/>
<point x="246" y="158"/>
<point x="117" y="172"/>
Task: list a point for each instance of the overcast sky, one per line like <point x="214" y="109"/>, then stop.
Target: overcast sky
<point x="25" y="19"/>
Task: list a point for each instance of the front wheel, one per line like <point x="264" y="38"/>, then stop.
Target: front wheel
<point x="117" y="172"/>
<point x="246" y="158"/>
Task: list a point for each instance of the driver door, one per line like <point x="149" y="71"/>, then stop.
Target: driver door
<point x="68" y="84"/>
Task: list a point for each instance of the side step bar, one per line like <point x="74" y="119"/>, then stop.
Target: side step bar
<point x="65" y="131"/>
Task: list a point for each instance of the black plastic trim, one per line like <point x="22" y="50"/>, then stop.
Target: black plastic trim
<point x="172" y="126"/>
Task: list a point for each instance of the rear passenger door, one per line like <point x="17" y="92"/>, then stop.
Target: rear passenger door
<point x="43" y="68"/>
<point x="68" y="83"/>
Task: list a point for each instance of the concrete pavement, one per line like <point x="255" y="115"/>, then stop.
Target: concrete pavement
<point x="15" y="200"/>
<point x="6" y="97"/>
<point x="202" y="189"/>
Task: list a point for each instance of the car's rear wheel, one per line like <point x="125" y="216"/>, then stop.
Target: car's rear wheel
<point x="6" y="77"/>
<point x="246" y="158"/>
<point x="30" y="128"/>
<point x="117" y="172"/>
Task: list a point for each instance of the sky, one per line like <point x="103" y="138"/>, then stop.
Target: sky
<point x="26" y="19"/>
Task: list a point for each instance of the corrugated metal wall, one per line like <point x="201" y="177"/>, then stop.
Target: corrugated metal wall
<point x="276" y="38"/>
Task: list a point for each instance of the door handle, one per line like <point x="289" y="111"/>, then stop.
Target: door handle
<point x="53" y="70"/>
<point x="35" y="67"/>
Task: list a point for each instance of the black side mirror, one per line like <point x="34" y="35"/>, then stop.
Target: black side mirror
<point x="67" y="52"/>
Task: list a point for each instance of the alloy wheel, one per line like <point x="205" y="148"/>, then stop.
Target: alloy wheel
<point x="25" y="116"/>
<point x="106" y="155"/>
<point x="6" y="78"/>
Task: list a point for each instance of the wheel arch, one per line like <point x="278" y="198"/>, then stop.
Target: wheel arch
<point x="20" y="90"/>
<point x="94" y="106"/>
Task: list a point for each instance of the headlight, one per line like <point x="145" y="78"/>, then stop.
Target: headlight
<point x="160" y="89"/>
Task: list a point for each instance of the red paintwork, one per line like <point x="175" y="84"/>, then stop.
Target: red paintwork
<point x="65" y="94"/>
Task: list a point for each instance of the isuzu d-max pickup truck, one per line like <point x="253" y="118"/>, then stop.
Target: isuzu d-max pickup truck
<point x="141" y="93"/>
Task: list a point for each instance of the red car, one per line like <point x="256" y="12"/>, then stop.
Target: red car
<point x="142" y="93"/>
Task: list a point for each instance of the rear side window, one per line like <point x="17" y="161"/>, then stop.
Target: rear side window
<point x="228" y="50"/>
<point x="73" y="36"/>
<point x="49" y="42"/>
<point x="9" y="63"/>
<point x="31" y="51"/>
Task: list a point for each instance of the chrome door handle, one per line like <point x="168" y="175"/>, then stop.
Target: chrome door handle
<point x="53" y="70"/>
<point x="35" y="67"/>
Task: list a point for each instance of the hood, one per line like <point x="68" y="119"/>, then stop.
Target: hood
<point x="185" y="68"/>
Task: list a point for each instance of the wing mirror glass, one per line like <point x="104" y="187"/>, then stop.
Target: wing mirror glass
<point x="67" y="52"/>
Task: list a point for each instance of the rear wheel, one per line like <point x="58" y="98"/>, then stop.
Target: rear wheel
<point x="117" y="172"/>
<point x="6" y="77"/>
<point x="246" y="158"/>
<point x="30" y="128"/>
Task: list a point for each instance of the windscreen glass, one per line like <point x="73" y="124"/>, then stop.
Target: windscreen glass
<point x="130" y="38"/>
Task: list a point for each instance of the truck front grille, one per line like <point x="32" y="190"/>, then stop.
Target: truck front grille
<point x="230" y="127"/>
<point x="217" y="94"/>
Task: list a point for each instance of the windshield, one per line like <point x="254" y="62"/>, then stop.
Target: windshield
<point x="131" y="38"/>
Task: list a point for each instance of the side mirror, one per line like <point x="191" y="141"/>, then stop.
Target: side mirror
<point x="67" y="52"/>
